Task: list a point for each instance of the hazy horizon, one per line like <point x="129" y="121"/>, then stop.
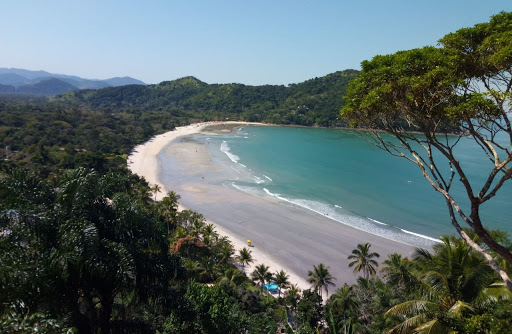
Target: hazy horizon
<point x="229" y="42"/>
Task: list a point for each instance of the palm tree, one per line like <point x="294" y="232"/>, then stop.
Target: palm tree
<point x="156" y="189"/>
<point x="261" y="274"/>
<point x="186" y="218"/>
<point x="208" y="269"/>
<point x="363" y="260"/>
<point x="281" y="278"/>
<point x="197" y="228"/>
<point x="320" y="277"/>
<point x="209" y="231"/>
<point x="292" y="296"/>
<point x="234" y="277"/>
<point x="398" y="271"/>
<point x="224" y="251"/>
<point x="244" y="257"/>
<point x="453" y="279"/>
<point x="169" y="209"/>
<point x="344" y="301"/>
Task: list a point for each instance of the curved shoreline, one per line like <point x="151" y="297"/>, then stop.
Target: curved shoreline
<point x="285" y="237"/>
<point x="143" y="161"/>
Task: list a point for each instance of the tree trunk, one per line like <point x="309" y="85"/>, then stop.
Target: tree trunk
<point x="107" y="301"/>
<point x="492" y="263"/>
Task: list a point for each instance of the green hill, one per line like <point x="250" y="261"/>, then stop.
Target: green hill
<point x="313" y="102"/>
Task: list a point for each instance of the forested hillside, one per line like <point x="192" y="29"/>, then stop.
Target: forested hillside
<point x="48" y="137"/>
<point x="84" y="248"/>
<point x="98" y="128"/>
<point x="313" y="102"/>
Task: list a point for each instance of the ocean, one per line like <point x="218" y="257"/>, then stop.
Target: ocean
<point x="335" y="173"/>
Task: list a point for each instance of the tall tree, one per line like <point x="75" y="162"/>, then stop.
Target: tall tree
<point x="454" y="277"/>
<point x="364" y="260"/>
<point x="344" y="302"/>
<point x="261" y="274"/>
<point x="233" y="277"/>
<point x="168" y="209"/>
<point x="282" y="279"/>
<point x="156" y="189"/>
<point x="244" y="257"/>
<point x="459" y="91"/>
<point x="320" y="278"/>
<point x="292" y="296"/>
<point x="398" y="271"/>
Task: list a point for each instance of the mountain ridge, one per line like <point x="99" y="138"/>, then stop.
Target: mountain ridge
<point x="313" y="102"/>
<point x="23" y="81"/>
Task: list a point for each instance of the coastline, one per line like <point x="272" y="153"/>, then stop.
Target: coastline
<point x="285" y="237"/>
<point x="143" y="161"/>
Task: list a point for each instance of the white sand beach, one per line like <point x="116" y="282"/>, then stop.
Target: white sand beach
<point x="143" y="161"/>
<point x="284" y="236"/>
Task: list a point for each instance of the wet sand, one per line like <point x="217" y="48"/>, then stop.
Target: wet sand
<point x="284" y="236"/>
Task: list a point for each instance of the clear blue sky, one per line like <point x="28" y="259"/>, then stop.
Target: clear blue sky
<point x="251" y="42"/>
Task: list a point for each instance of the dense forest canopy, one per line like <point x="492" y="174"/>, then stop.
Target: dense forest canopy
<point x="98" y="128"/>
<point x="313" y="102"/>
<point x="85" y="248"/>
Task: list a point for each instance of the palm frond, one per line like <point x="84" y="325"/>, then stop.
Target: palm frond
<point x="457" y="309"/>
<point x="408" y="325"/>
<point x="430" y="327"/>
<point x="413" y="307"/>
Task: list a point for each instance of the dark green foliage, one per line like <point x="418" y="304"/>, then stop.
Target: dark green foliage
<point x="463" y="86"/>
<point x="309" y="309"/>
<point x="205" y="310"/>
<point x="18" y="320"/>
<point x="46" y="137"/>
<point x="80" y="252"/>
<point x="313" y="102"/>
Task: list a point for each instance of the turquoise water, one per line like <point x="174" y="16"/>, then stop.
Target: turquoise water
<point x="337" y="174"/>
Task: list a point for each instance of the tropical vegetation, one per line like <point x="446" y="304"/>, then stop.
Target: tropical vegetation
<point x="85" y="247"/>
<point x="459" y="91"/>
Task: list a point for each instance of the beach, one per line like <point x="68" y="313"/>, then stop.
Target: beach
<point x="283" y="235"/>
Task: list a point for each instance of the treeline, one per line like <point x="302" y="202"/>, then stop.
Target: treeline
<point x="93" y="253"/>
<point x="98" y="128"/>
<point x="315" y="102"/>
<point x="84" y="248"/>
<point x="47" y="137"/>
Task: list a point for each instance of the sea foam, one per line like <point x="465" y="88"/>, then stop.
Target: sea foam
<point x="336" y="213"/>
<point x="421" y="235"/>
<point x="224" y="147"/>
<point x="376" y="221"/>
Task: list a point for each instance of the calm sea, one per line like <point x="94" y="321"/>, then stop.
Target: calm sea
<point x="337" y="174"/>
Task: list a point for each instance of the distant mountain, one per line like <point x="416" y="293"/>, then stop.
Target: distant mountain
<point x="26" y="73"/>
<point x="48" y="86"/>
<point x="27" y="82"/>
<point x="13" y="79"/>
<point x="118" y="81"/>
<point x="7" y="89"/>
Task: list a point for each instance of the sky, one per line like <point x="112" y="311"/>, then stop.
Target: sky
<point x="250" y="42"/>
